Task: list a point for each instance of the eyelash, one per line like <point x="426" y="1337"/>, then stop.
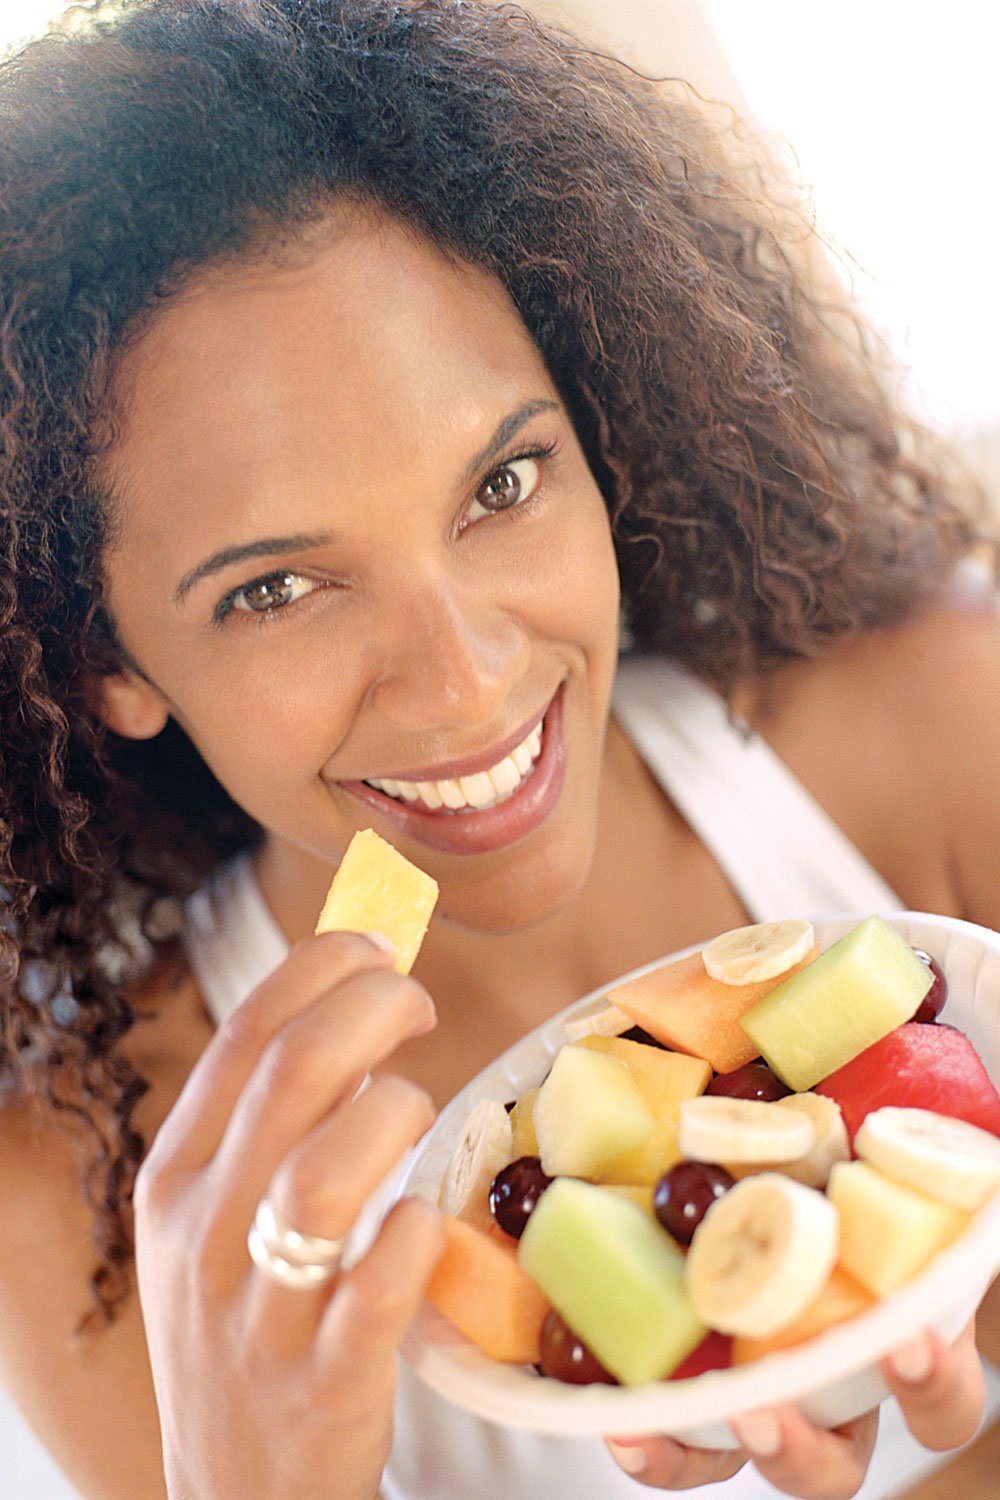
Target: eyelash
<point x="227" y="603"/>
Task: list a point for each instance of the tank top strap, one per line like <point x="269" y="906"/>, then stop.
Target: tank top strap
<point x="231" y="939"/>
<point x="780" y="851"/>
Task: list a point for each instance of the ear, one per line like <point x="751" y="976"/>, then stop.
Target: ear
<point x="128" y="704"/>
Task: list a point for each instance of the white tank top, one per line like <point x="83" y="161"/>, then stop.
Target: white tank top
<point x="783" y="855"/>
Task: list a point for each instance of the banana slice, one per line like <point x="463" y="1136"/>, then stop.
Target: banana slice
<point x="484" y="1149"/>
<point x="948" y="1159"/>
<point x="761" y="1254"/>
<point x="607" y="1021"/>
<point x="747" y="955"/>
<point x="716" y="1128"/>
<point x="831" y="1144"/>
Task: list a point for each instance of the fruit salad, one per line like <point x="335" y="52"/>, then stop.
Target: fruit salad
<point x="740" y="1149"/>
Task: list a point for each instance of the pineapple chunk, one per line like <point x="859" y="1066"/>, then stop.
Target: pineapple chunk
<point x="522" y="1124"/>
<point x="588" y="1112"/>
<point x="665" y="1079"/>
<point x="888" y="1232"/>
<point x="643" y="1165"/>
<point x="377" y="890"/>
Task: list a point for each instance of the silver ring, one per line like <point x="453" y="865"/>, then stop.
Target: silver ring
<point x="297" y="1261"/>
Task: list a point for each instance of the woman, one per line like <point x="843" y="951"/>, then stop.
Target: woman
<point x="362" y="362"/>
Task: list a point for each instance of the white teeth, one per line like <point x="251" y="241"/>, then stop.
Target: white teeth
<point x="473" y="793"/>
<point x="478" y="790"/>
<point x="506" y="777"/>
<point x="521" y="758"/>
<point x="451" y="794"/>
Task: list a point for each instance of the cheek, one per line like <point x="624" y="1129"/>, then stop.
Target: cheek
<point x="265" y="732"/>
<point x="582" y="588"/>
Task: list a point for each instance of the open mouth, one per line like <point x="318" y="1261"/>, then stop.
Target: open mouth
<point x="470" y="794"/>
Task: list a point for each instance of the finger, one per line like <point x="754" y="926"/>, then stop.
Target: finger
<point x="663" y="1464"/>
<point x="304" y="1073"/>
<point x="940" y="1389"/>
<point x="191" y="1133"/>
<point x="322" y="1187"/>
<point x="375" y="1302"/>
<point x="807" y="1461"/>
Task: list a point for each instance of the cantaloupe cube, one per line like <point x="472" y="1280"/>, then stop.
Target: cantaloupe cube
<point x="376" y="890"/>
<point x="888" y="1232"/>
<point x="665" y="1079"/>
<point x="681" y="1006"/>
<point x="479" y="1285"/>
<point x="524" y="1141"/>
<point x="843" y="1297"/>
<point x="588" y="1112"/>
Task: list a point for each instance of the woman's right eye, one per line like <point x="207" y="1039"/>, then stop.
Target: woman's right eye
<point x="266" y="595"/>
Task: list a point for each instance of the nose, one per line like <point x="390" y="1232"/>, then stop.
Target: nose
<point x="452" y="658"/>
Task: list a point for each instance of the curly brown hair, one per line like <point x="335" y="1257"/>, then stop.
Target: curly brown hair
<point x="766" y="497"/>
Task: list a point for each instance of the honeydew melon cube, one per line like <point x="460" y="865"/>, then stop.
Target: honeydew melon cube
<point x="588" y="1112"/>
<point x="888" y="1231"/>
<point x="862" y="988"/>
<point x="615" y="1276"/>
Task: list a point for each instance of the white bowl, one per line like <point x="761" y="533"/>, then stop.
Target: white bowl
<point x="834" y="1377"/>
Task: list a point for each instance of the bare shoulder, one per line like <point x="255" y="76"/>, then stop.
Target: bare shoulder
<point x="897" y="734"/>
<point x="89" y="1397"/>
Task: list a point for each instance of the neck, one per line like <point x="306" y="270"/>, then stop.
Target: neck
<point x="611" y="924"/>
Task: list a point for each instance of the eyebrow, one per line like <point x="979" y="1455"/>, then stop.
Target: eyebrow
<point x="274" y="546"/>
<point x="267" y="546"/>
<point x="508" y="428"/>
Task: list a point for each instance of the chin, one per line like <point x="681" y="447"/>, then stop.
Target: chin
<point x="520" y="901"/>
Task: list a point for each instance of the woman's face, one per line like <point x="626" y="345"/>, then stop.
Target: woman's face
<point x="357" y="543"/>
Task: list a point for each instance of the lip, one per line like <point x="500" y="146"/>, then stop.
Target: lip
<point x="495" y="827"/>
<point x="451" y="770"/>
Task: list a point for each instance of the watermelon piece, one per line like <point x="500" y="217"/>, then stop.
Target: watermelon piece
<point x="715" y="1352"/>
<point x="921" y="1067"/>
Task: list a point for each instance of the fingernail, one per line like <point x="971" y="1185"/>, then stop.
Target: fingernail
<point x="759" y="1432"/>
<point x="912" y="1361"/>
<point x="381" y="941"/>
<point x="629" y="1456"/>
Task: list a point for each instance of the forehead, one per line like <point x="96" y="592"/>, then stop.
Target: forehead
<point x="366" y="336"/>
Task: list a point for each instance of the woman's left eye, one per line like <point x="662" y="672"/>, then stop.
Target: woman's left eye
<point x="509" y="485"/>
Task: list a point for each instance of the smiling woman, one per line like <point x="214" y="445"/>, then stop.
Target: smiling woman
<point x="362" y="363"/>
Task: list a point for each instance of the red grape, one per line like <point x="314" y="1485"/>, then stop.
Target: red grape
<point x="565" y="1357"/>
<point x="638" y="1034"/>
<point x="753" y="1081"/>
<point x="685" y="1194"/>
<point x="514" y="1193"/>
<point x="933" y="1002"/>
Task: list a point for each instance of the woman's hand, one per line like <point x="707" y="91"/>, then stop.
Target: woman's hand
<point x="939" y="1388"/>
<point x="264" y="1391"/>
